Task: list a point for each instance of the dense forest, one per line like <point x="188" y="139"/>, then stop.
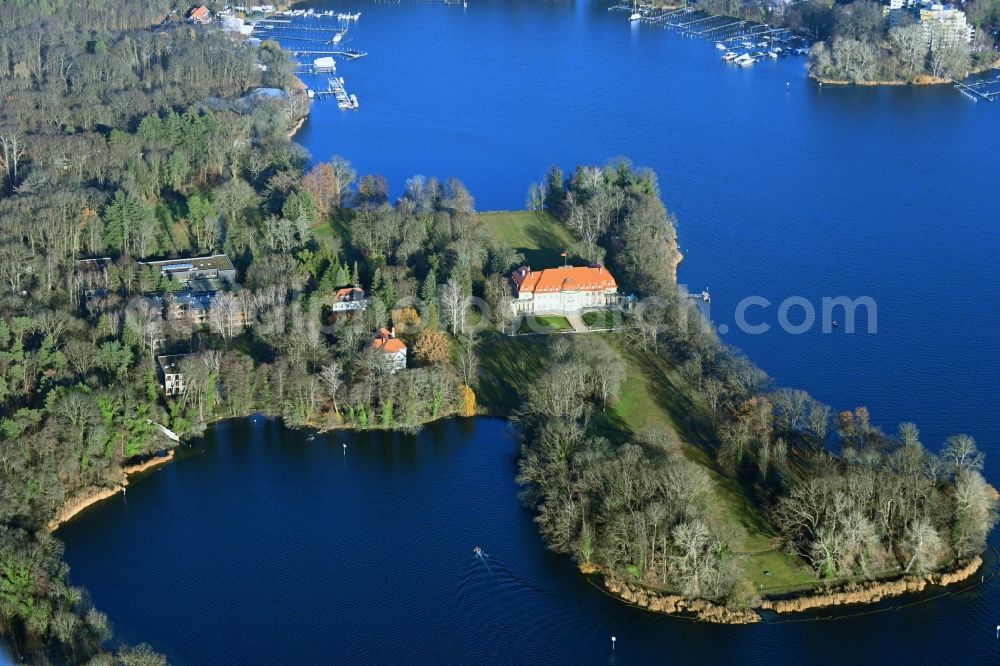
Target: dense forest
<point x="128" y="133"/>
<point x="847" y="499"/>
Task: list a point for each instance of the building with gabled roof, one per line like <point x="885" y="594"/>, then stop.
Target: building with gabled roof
<point x="393" y="349"/>
<point x="200" y="15"/>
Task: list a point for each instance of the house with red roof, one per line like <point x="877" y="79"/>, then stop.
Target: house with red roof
<point x="392" y="348"/>
<point x="200" y="15"/>
<point x="564" y="290"/>
<point x="348" y="299"/>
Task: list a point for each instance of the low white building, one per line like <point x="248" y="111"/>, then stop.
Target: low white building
<point x="324" y="64"/>
<point x="564" y="290"/>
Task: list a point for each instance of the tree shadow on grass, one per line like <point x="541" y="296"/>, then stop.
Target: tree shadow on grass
<point x="508" y="368"/>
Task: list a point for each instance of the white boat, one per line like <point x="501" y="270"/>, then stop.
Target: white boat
<point x="744" y="60"/>
<point x="720" y="46"/>
<point x="635" y="16"/>
<point x="772" y="54"/>
<point x="337" y="37"/>
<point x="729" y="55"/>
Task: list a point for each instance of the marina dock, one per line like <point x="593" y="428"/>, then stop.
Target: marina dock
<point x="335" y="88"/>
<point x="304" y="33"/>
<point x="744" y="41"/>
<point x="977" y="89"/>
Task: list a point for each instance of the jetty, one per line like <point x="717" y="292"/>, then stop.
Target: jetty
<point x="988" y="89"/>
<point x="304" y="38"/>
<point x="335" y="88"/>
<point x="348" y="54"/>
<point x="749" y="40"/>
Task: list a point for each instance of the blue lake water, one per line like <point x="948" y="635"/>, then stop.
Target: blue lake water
<point x="268" y="548"/>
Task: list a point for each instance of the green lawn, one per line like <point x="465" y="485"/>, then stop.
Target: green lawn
<point x="545" y="324"/>
<point x="603" y="319"/>
<point x="507" y="367"/>
<point x="536" y="234"/>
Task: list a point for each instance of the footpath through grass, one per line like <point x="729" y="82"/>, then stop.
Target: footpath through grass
<point x="654" y="396"/>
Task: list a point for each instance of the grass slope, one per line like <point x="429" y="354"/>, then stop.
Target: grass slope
<point x="653" y="396"/>
<point x="536" y="234"/>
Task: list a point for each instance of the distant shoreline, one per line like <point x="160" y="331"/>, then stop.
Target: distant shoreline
<point x="920" y="80"/>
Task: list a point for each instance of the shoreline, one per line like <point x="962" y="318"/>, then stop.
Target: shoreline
<point x="920" y="80"/>
<point x="873" y="592"/>
<point x="851" y="594"/>
<point x="300" y="89"/>
<point x="76" y="504"/>
<point x="923" y="80"/>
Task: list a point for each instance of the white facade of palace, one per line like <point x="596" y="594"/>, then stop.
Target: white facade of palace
<point x="564" y="290"/>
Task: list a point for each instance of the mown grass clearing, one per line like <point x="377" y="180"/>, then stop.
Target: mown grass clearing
<point x="536" y="234"/>
<point x="544" y="324"/>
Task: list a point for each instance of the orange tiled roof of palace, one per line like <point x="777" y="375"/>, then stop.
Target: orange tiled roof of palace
<point x="564" y="278"/>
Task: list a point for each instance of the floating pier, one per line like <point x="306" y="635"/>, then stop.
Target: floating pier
<point x="979" y="89"/>
<point x="745" y="41"/>
<point x="296" y="36"/>
<point x="335" y="88"/>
